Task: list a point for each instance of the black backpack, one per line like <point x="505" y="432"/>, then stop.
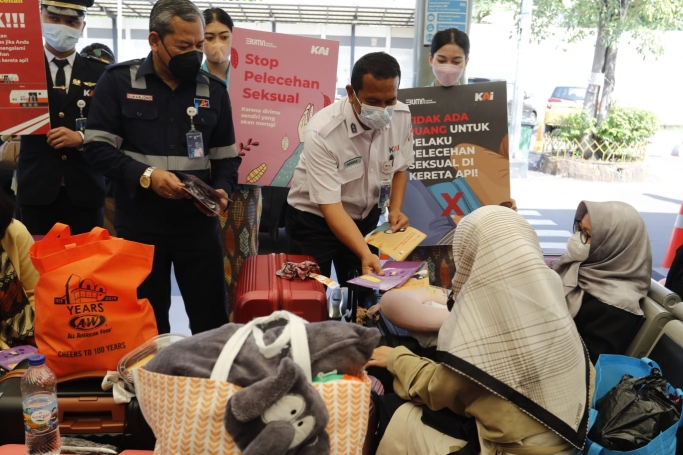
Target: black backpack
<point x="674" y="280"/>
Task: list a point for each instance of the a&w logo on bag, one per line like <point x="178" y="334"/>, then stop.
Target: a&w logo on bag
<point x="84" y="301"/>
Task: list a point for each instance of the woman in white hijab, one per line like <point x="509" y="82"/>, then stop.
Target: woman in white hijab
<point x="606" y="275"/>
<point x="509" y="353"/>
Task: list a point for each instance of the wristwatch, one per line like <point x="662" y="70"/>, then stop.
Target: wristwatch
<point x="146" y="178"/>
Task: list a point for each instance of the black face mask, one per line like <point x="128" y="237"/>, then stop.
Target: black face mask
<point x="184" y="67"/>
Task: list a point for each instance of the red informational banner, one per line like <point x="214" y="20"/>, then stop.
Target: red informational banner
<point x="277" y="83"/>
<point x="23" y="83"/>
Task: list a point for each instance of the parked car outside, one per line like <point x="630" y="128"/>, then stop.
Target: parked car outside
<point x="563" y="102"/>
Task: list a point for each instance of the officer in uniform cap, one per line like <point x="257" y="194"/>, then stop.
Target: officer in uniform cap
<point x="54" y="182"/>
<point x="152" y="120"/>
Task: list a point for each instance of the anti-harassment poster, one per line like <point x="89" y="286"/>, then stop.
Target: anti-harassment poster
<point x="23" y="83"/>
<point x="277" y="83"/>
<point x="460" y="140"/>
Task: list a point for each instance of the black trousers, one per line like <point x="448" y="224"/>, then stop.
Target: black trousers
<point x="197" y="259"/>
<point x="309" y="234"/>
<point x="39" y="219"/>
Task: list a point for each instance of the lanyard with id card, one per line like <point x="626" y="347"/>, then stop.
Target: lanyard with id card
<point x="81" y="121"/>
<point x="385" y="184"/>
<point x="195" y="142"/>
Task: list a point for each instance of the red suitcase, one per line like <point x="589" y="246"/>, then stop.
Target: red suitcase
<point x="260" y="291"/>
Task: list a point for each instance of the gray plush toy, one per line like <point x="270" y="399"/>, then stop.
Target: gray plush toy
<point x="279" y="415"/>
<point x="333" y="346"/>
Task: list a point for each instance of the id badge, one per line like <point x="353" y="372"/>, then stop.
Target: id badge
<point x="195" y="144"/>
<point x="80" y="124"/>
<point x="384" y="194"/>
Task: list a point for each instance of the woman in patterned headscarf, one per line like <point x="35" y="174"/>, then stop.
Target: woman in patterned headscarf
<point x="509" y="353"/>
<point x="606" y="275"/>
<point x="18" y="277"/>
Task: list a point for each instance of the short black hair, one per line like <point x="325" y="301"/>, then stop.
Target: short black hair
<point x="218" y="14"/>
<point x="379" y="65"/>
<point x="6" y="212"/>
<point x="450" y="36"/>
<point x="99" y="51"/>
<point x="164" y="11"/>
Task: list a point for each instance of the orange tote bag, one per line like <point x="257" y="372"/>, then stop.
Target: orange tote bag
<point x="87" y="311"/>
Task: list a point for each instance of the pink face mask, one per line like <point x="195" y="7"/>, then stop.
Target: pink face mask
<point x="217" y="52"/>
<point x="447" y="74"/>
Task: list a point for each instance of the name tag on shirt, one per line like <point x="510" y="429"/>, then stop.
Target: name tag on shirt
<point x="353" y="162"/>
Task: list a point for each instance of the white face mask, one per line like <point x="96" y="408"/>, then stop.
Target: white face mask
<point x="60" y="37"/>
<point x="576" y="249"/>
<point x="374" y="117"/>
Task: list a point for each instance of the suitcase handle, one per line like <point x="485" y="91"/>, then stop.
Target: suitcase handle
<point x="90" y="414"/>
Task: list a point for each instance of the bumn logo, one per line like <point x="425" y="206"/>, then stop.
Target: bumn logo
<point x="485" y="96"/>
<point x="414" y="101"/>
<point x="319" y="50"/>
<point x="257" y="42"/>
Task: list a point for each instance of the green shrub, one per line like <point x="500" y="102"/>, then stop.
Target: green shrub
<point x="628" y="126"/>
<point x="575" y="126"/>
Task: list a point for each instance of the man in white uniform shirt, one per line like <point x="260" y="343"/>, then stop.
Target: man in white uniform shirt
<point x="354" y="163"/>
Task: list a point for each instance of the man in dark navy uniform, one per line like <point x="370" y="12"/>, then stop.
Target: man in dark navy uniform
<point x="145" y="114"/>
<point x="55" y="183"/>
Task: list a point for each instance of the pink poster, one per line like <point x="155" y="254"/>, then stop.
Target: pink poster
<point x="277" y="83"/>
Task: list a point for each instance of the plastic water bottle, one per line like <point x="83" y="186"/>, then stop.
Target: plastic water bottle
<point x="39" y="400"/>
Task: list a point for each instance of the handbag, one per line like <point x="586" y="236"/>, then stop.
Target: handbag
<point x="609" y="371"/>
<point x="88" y="314"/>
<point x="187" y="413"/>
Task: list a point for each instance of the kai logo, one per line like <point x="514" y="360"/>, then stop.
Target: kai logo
<point x="393" y="149"/>
<point x="88" y="93"/>
<point x="87" y="322"/>
<point x="319" y="50"/>
<point x="485" y="96"/>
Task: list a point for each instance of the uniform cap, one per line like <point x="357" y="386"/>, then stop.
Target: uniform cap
<point x="67" y="7"/>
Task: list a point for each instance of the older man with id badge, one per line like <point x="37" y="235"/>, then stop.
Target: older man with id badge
<point x="162" y="129"/>
<point x="354" y="164"/>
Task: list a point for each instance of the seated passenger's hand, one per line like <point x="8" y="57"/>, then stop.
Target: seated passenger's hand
<point x="380" y="357"/>
<point x="397" y="220"/>
<point x="62" y="137"/>
<point x="370" y="264"/>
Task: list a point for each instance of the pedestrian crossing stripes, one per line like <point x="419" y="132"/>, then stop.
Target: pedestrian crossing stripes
<point x="550" y="239"/>
<point x="534" y="222"/>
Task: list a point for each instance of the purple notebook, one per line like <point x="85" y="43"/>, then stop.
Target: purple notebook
<point x="9" y="358"/>
<point x="395" y="274"/>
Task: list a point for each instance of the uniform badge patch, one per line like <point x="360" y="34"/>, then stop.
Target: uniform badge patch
<point x="139" y="97"/>
<point x="201" y="102"/>
<point x="353" y="127"/>
<point x="353" y="162"/>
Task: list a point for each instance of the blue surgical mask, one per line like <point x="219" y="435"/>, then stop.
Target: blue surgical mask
<point x="60" y="37"/>
<point x="374" y="117"/>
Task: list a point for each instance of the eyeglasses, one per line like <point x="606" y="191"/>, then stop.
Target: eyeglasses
<point x="584" y="236"/>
